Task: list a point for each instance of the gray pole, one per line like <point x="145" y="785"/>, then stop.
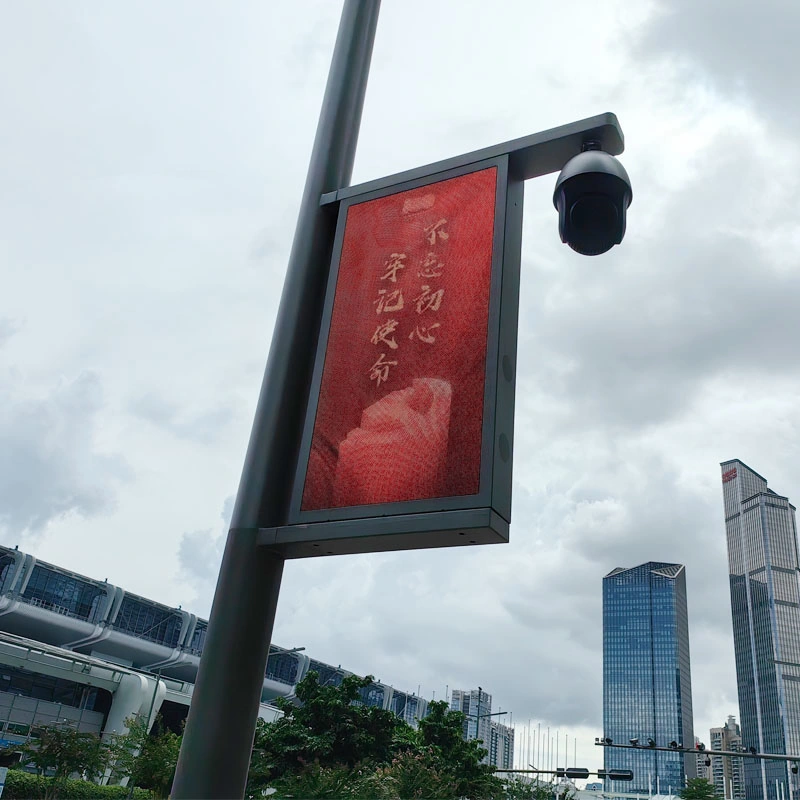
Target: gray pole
<point x="217" y="742"/>
<point x="478" y="715"/>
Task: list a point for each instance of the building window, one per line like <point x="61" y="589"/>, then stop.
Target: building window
<point x="63" y="594"/>
<point x="6" y="565"/>
<point x="199" y="638"/>
<point x="146" y="621"/>
<point x="53" y="690"/>
<point x="327" y="675"/>
<point x="282" y="667"/>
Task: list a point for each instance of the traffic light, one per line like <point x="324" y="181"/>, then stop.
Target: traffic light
<point x="572" y="772"/>
<point x="577" y="772"/>
<point x="615" y="774"/>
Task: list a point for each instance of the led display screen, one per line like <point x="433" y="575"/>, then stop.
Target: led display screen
<point x="399" y="415"/>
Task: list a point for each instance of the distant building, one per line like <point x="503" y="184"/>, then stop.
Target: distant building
<point x="501" y="746"/>
<point x="498" y="739"/>
<point x="727" y="772"/>
<point x="764" y="567"/>
<point x="476" y="705"/>
<point x="646" y="676"/>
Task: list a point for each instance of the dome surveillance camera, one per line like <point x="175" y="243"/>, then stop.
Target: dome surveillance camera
<point x="592" y="196"/>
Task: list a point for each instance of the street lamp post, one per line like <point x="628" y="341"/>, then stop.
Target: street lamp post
<point x="218" y="739"/>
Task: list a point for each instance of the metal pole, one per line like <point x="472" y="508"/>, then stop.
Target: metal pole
<point x="218" y="739"/>
<point x="526" y="755"/>
<point x="538" y="744"/>
<point x="478" y="715"/>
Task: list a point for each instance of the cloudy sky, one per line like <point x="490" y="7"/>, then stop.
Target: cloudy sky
<point x="153" y="158"/>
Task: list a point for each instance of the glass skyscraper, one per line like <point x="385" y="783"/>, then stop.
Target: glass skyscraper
<point x="647" y="692"/>
<point x="765" y="601"/>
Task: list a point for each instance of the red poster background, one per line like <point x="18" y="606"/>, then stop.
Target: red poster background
<point x="409" y="430"/>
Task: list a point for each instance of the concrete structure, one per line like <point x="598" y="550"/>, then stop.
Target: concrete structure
<point x="41" y="684"/>
<point x="52" y="605"/>
<point x="764" y="567"/>
<point x="726" y="772"/>
<point x="647" y="691"/>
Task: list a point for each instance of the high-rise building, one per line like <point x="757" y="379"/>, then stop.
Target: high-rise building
<point x="476" y="705"/>
<point x="647" y="693"/>
<point x="501" y="746"/>
<point x="727" y="772"/>
<point x="765" y="604"/>
<point x="498" y="739"/>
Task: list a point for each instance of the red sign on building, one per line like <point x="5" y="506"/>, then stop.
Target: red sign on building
<point x="729" y="475"/>
<point x="402" y="418"/>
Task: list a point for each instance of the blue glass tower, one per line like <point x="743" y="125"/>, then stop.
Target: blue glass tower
<point x="647" y="692"/>
<point x="765" y="604"/>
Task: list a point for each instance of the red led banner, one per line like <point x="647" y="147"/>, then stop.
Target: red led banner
<point x="400" y="409"/>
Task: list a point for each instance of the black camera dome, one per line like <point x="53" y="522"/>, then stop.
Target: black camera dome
<point x="592" y="196"/>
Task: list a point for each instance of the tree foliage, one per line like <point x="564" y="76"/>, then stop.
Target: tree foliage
<point x="62" y="750"/>
<point x="148" y="759"/>
<point x="331" y="745"/>
<point x="521" y="789"/>
<point x="157" y="762"/>
<point x="331" y="729"/>
<point x="25" y="786"/>
<point x="441" y="730"/>
<point x="699" y="789"/>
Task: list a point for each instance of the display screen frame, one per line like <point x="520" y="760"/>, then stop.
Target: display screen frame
<point x="457" y="519"/>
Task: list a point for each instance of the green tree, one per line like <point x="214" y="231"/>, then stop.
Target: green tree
<point x="520" y="789"/>
<point x="334" y="746"/>
<point x="331" y="728"/>
<point x="417" y="773"/>
<point x="147" y="759"/>
<point x="158" y="760"/>
<point x="124" y="749"/>
<point x="336" y="783"/>
<point x="442" y="731"/>
<point x="62" y="750"/>
<point x="699" y="789"/>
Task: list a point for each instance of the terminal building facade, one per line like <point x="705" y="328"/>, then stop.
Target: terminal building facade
<point x="82" y="649"/>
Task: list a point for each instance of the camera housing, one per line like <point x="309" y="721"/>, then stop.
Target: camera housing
<point x="592" y="196"/>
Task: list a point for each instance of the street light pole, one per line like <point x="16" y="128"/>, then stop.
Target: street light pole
<point x="217" y="742"/>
